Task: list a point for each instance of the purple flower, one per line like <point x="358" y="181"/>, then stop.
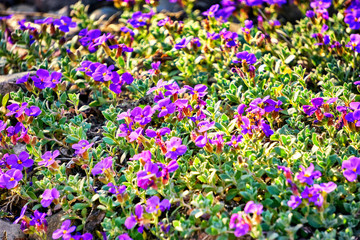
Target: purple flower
<point x="38" y="219"/>
<point x="41" y="80"/>
<point x="22" y="214"/>
<point x="81" y="147"/>
<point x="237" y="222"/>
<point x="45" y="21"/>
<point x="307" y="175"/>
<point x="174" y="148"/>
<point x="48" y="158"/>
<point x="124" y="236"/>
<point x="127" y="77"/>
<point x="89" y="39"/>
<point x="201" y="140"/>
<point x="117" y="190"/>
<point x="161" y="132"/>
<point x="255" y="208"/>
<point x="131" y="221"/>
<point x="313" y="195"/>
<point x="352" y="167"/>
<point x="165" y="106"/>
<point x="33" y="111"/>
<point x="104" y="74"/>
<point x="20" y="162"/>
<point x="310" y="14"/>
<point x="212" y="10"/>
<point x="181" y="44"/>
<point x="16" y="109"/>
<point x="55" y="78"/>
<point x="144" y="156"/>
<point x="153" y="205"/>
<point x="245" y="56"/>
<point x="88" y="67"/>
<point x="10" y="178"/>
<point x="199" y="90"/>
<point x="142" y="116"/>
<point x="48" y="196"/>
<point x="65" y="23"/>
<point x="321" y="4"/>
<point x="326" y="187"/>
<point x="65" y="231"/>
<point x="248" y="26"/>
<point x="85" y="236"/>
<point x="102" y="166"/>
<point x="235" y="140"/>
<point x="140" y="19"/>
<point x="147" y="177"/>
<point x="23" y="79"/>
<point x="271" y="105"/>
<point x="294" y="201"/>
<point x="354" y="43"/>
<point x="353" y="19"/>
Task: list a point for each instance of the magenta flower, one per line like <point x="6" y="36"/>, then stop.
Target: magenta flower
<point x="85" y="236"/>
<point x="201" y="140"/>
<point x="65" y="231"/>
<point x="174" y="148"/>
<point x="235" y="140"/>
<point x="81" y="147"/>
<point x="307" y="175"/>
<point x="22" y="214"/>
<point x="354" y="43"/>
<point x="199" y="90"/>
<point x="142" y="116"/>
<point x="117" y="190"/>
<point x="38" y="219"/>
<point x="352" y="167"/>
<point x="53" y="80"/>
<point x="153" y="205"/>
<point x="104" y="74"/>
<point x="48" y="158"/>
<point x="10" y="178"/>
<point x="48" y="196"/>
<point x="182" y="44"/>
<point x="313" y="195"/>
<point x="20" y="162"/>
<point x="245" y="56"/>
<point x="255" y="208"/>
<point x="237" y="222"/>
<point x="41" y="78"/>
<point x="353" y="19"/>
<point x="102" y="166"/>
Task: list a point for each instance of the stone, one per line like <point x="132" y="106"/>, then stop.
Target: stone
<point x="8" y="82"/>
<point x="54" y="222"/>
<point x="22" y="8"/>
<point x="11" y="231"/>
<point x="104" y="12"/>
<point x="167" y="6"/>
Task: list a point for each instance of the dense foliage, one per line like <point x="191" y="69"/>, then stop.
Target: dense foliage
<point x="206" y="125"/>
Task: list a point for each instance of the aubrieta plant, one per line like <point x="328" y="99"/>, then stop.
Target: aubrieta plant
<point x="237" y="121"/>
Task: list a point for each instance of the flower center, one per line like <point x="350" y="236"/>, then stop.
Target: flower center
<point x="148" y="173"/>
<point x="64" y="232"/>
<point x="234" y="142"/>
<point x="354" y="169"/>
<point x="12" y="179"/>
<point x="157" y="206"/>
<point x="173" y="149"/>
<point x="307" y="175"/>
<point x="19" y="161"/>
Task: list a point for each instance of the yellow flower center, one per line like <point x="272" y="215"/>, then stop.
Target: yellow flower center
<point x="157" y="206"/>
<point x="234" y="142"/>
<point x="12" y="179"/>
<point x="148" y="173"/>
<point x="354" y="169"/>
<point x="19" y="162"/>
<point x="173" y="149"/>
<point x="306" y="175"/>
<point x="64" y="232"/>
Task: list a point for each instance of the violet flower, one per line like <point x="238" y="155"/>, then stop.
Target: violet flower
<point x="142" y="116"/>
<point x="255" y="208"/>
<point x="33" y="111"/>
<point x="158" y="133"/>
<point x="124" y="236"/>
<point x="237" y="222"/>
<point x="182" y="44"/>
<point x="353" y="19"/>
<point x="41" y="78"/>
<point x="147" y="177"/>
<point x="144" y="156"/>
<point x="16" y="109"/>
<point x="131" y="221"/>
<point x="354" y="43"/>
<point x="85" y="236"/>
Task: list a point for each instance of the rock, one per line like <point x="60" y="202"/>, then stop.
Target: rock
<point x="22" y="8"/>
<point x="11" y="231"/>
<point x="8" y="82"/>
<point x="107" y="12"/>
<point x="165" y="5"/>
<point x="19" y="147"/>
<point x="54" y="222"/>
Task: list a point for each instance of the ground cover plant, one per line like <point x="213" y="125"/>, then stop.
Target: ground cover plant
<point x="220" y="124"/>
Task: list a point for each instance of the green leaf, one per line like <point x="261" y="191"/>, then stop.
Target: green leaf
<point x="315" y="221"/>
